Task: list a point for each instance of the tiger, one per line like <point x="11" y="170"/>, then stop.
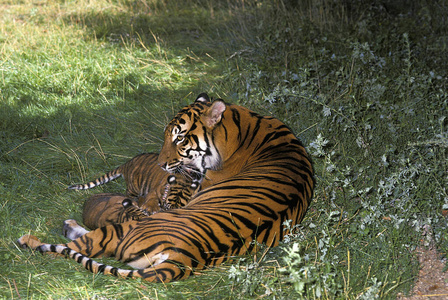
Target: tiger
<point x="258" y="176"/>
<point x="111" y="208"/>
<point x="155" y="188"/>
<point x="103" y="209"/>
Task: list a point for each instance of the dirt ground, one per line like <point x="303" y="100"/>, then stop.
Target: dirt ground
<point x="432" y="282"/>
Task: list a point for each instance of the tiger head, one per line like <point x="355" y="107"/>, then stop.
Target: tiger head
<point x="189" y="144"/>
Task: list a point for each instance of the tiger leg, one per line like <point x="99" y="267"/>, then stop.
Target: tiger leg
<point x="101" y="242"/>
<point x="72" y="230"/>
<point x="29" y="241"/>
<point x="32" y="242"/>
<point x="159" y="271"/>
<point x="144" y="245"/>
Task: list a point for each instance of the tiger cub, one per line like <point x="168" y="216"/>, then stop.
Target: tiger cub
<point x="104" y="209"/>
<point x="110" y="208"/>
<point x="113" y="208"/>
<point x="154" y="188"/>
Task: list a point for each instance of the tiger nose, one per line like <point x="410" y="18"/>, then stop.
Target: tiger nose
<point x="163" y="165"/>
<point x="162" y="160"/>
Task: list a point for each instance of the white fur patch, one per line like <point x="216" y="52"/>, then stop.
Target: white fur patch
<point x="72" y="230"/>
<point x="146" y="261"/>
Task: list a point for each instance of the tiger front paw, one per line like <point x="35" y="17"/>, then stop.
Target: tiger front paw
<point x="29" y="241"/>
<point x="72" y="230"/>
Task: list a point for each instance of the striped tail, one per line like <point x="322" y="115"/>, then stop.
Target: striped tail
<point x="109" y="176"/>
<point x="148" y="274"/>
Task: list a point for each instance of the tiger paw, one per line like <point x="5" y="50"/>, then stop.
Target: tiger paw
<point x="72" y="230"/>
<point x="29" y="241"/>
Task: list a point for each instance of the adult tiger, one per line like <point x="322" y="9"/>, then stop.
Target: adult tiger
<point x="155" y="188"/>
<point x="258" y="176"/>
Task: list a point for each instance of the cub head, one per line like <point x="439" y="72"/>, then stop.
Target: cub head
<point x="189" y="141"/>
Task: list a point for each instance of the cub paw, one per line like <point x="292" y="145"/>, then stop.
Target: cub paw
<point x="72" y="230"/>
<point x="29" y="241"/>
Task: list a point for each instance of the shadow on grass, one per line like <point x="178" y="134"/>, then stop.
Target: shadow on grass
<point x="204" y="28"/>
<point x="192" y="34"/>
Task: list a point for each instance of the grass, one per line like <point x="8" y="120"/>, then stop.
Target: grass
<point x="86" y="85"/>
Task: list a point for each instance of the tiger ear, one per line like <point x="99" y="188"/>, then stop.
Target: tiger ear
<point x="213" y="114"/>
<point x="203" y="97"/>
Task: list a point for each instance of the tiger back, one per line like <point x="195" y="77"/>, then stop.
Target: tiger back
<point x="258" y="175"/>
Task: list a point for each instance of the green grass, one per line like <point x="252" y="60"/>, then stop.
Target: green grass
<point x="86" y="85"/>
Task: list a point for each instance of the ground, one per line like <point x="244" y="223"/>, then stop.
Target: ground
<point x="432" y="282"/>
